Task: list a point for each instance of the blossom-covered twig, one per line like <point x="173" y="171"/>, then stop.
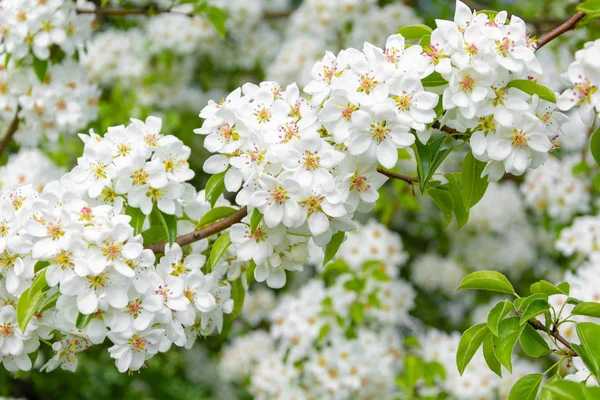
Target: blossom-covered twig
<point x="393" y="175"/>
<point x="202" y="233"/>
<point x="566" y="26"/>
<point x="14" y="125"/>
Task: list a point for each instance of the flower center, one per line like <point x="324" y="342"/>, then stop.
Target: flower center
<point x="135" y="307"/>
<point x="487" y="124"/>
<point x="123" y="149"/>
<point x="288" y="132"/>
<point x="63" y="260"/>
<point x="138" y="344"/>
<point x="500" y="92"/>
<point x="313" y="204"/>
<point x="584" y="90"/>
<point x="154" y="193"/>
<point x="359" y="183"/>
<point x="99" y="171"/>
<point x="348" y="110"/>
<point x="164" y="291"/>
<point x="228" y="132"/>
<point x="367" y="83"/>
<point x="112" y="251"/>
<point x="505" y="46"/>
<point x="97" y="281"/>
<point x="4" y="229"/>
<point x="278" y="195"/>
<point x="54" y="231"/>
<point x="434" y="53"/>
<point x="7" y="260"/>
<point x="140" y="177"/>
<point x="379" y="131"/>
<point x="263" y="115"/>
<point x="6" y="330"/>
<point x="403" y="102"/>
<point x="467" y="84"/>
<point x="311" y="160"/>
<point x="519" y="138"/>
<point x="179" y="269"/>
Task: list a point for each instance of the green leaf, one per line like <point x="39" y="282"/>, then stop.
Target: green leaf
<point x="49" y="302"/>
<point x="490" y="356"/>
<point x="40" y="67"/>
<point x="333" y="246"/>
<point x="460" y="211"/>
<point x="547" y="288"/>
<point x="154" y="235"/>
<point x="490" y="13"/>
<point x="591" y="8"/>
<point x="509" y="331"/>
<point x="470" y="341"/>
<point x="536" y="307"/>
<point x="357" y="312"/>
<point x="169" y="223"/>
<point x="589" y="350"/>
<point x="218" y="249"/>
<point x="545" y="395"/>
<point x="565" y="287"/>
<point x="83" y="320"/>
<point x="532" y="343"/>
<point x="595" y="145"/>
<point x="429" y="157"/>
<point x="323" y="332"/>
<point x="434" y="80"/>
<point x="414" y="32"/>
<point x="255" y="219"/>
<point x="473" y="185"/>
<point x="492" y="281"/>
<point x="522" y="303"/>
<point x="40" y="265"/>
<point x="497" y="313"/>
<point x="137" y="219"/>
<point x="31" y="299"/>
<point x="589" y="309"/>
<point x="215" y="187"/>
<point x="526" y="388"/>
<point x="215" y="214"/>
<point x="532" y="88"/>
<point x="238" y="294"/>
<point x="573" y="301"/>
<point x="443" y="200"/>
<point x="215" y="15"/>
<point x="425" y="40"/>
<point x="564" y="390"/>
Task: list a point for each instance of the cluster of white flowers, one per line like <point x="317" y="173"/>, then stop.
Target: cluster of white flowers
<point x="479" y="56"/>
<point x="582" y="237"/>
<point x="477" y="381"/>
<point x="75" y="239"/>
<point x="36" y="26"/>
<point x="434" y="273"/>
<point x="331" y="342"/>
<point x="555" y="190"/>
<point x="65" y="101"/>
<point x="28" y="167"/>
<point x="584" y="77"/>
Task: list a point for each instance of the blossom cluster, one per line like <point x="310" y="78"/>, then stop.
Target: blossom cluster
<point x="583" y="77"/>
<point x="28" y="167"/>
<point x="480" y="55"/>
<point x="76" y="239"/>
<point x="319" y="345"/>
<point x="64" y="101"/>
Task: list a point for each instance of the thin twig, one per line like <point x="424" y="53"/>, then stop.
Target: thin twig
<point x="566" y="26"/>
<point x="393" y="175"/>
<point x="14" y="125"/>
<point x="205" y="232"/>
<point x="555" y="333"/>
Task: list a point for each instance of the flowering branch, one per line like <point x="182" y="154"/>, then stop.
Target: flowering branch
<point x="393" y="175"/>
<point x="566" y="26"/>
<point x="14" y="125"/>
<point x="205" y="232"/>
<point x="555" y="333"/>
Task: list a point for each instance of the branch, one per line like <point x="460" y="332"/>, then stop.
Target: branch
<point x="205" y="232"/>
<point x="393" y="175"/>
<point x="14" y="125"/>
<point x="566" y="26"/>
<point x="540" y="327"/>
<point x="278" y="14"/>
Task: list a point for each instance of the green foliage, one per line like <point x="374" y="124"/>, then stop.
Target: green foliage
<point x="137" y="219"/>
<point x="31" y="299"/>
<point x="487" y="280"/>
<point x="333" y="246"/>
<point x="526" y="388"/>
<point x="509" y="331"/>
<point x="473" y="185"/>
<point x="497" y="314"/>
<point x="214" y="215"/>
<point x="167" y="221"/>
<point x="414" y="32"/>
<point x="255" y="219"/>
<point x="592" y="10"/>
<point x="595" y="145"/>
<point x="589" y="349"/>
<point x="215" y="188"/>
<point x="588" y="309"/>
<point x="215" y="15"/>
<point x="533" y="88"/>
<point x="470" y="342"/>
<point x="40" y="67"/>
<point x="532" y="343"/>
<point x="218" y="249"/>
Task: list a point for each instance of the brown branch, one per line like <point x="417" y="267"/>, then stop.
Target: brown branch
<point x="555" y="333"/>
<point x="14" y="125"/>
<point x="278" y="14"/>
<point x="205" y="232"/>
<point x="566" y="26"/>
<point x="393" y="175"/>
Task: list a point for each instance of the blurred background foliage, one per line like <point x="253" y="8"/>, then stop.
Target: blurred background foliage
<point x="191" y="375"/>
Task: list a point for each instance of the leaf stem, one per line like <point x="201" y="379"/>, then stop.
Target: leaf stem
<point x="12" y="129"/>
